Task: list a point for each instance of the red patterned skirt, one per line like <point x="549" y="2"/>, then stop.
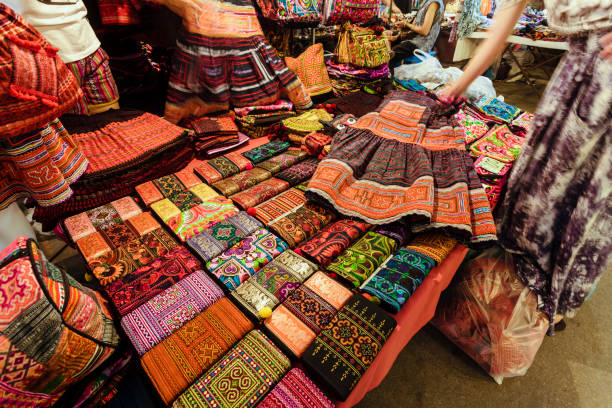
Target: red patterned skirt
<point x="406" y="162"/>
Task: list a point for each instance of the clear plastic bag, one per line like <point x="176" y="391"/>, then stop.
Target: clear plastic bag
<point x="480" y="87"/>
<point x="428" y="70"/>
<point x="492" y="316"/>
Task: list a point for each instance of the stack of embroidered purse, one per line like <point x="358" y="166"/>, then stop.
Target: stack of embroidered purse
<point x="170" y="186"/>
<point x="279" y="205"/>
<point x="266" y="151"/>
<point x="302" y="223"/>
<point x="180" y="359"/>
<point x="342" y="352"/>
<point x="239" y="262"/>
<point x="359" y="261"/>
<point x="273" y="283"/>
<point x="214" y="132"/>
<point x="216" y="239"/>
<point x="256" y="125"/>
<point x="299" y="173"/>
<point x="241" y="379"/>
<point x="325" y="246"/>
<point x="222" y="167"/>
<point x="259" y="193"/>
<point x="296" y="390"/>
<point x="167" y="312"/>
<point x="355" y="11"/>
<point x="306" y="311"/>
<point x="53" y="331"/>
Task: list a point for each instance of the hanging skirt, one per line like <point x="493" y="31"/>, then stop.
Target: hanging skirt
<point x="40" y="164"/>
<point x="407" y="162"/>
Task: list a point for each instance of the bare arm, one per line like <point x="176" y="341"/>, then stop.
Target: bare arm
<point x="427" y="23"/>
<point x="489" y="50"/>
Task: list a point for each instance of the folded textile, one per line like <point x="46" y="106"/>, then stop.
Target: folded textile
<point x="216" y="239"/>
<point x="266" y="151"/>
<point x="399" y="232"/>
<point x="282" y="161"/>
<point x="497" y="109"/>
<point x="259" y="193"/>
<point x="296" y="390"/>
<point x="279" y="205"/>
<point x="302" y="223"/>
<point x="222" y="167"/>
<point x="201" y="217"/>
<point x="166" y="186"/>
<point x="228" y="146"/>
<point x="362" y="258"/>
<point x="167" y="312"/>
<point x="325" y="246"/>
<point x="236" y="264"/>
<point x="314" y="143"/>
<point x="132" y="290"/>
<point x="181" y="358"/>
<point x="307" y="122"/>
<point x="299" y="173"/>
<point x="214" y="125"/>
<point x="433" y="244"/>
<point x="242" y="181"/>
<point x="341" y="354"/>
<point x="499" y="144"/>
<point x="241" y="378"/>
<point x="273" y="283"/>
<point x="263" y="124"/>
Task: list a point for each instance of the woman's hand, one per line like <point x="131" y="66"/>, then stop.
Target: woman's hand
<point x="450" y="93"/>
<point x="606" y="44"/>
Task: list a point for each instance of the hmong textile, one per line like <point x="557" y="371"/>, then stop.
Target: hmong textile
<point x="497" y="168"/>
<point x="134" y="289"/>
<point x="222" y="167"/>
<point x="263" y="124"/>
<point x="222" y="124"/>
<point x="341" y="354"/>
<point x="259" y="193"/>
<point x="355" y="11"/>
<point x="302" y="224"/>
<point x="296" y="390"/>
<point x="94" y="75"/>
<point x="309" y="66"/>
<point x="279" y="205"/>
<point x="494" y="191"/>
<point x="433" y="244"/>
<point x="557" y="214"/>
<point x="54" y="331"/>
<point x="497" y="109"/>
<point x="242" y="260"/>
<point x="201" y="217"/>
<point x="398" y="278"/>
<point x="86" y="223"/>
<point x="325" y="246"/>
<point x="165" y="187"/>
<point x="180" y="359"/>
<point x="308" y="122"/>
<point x="167" y="312"/>
<point x="24" y="158"/>
<point x="314" y="311"/>
<point x="241" y="378"/>
<point x="242" y="181"/>
<point x="216" y="239"/>
<point x="119" y="12"/>
<point x="393" y="165"/>
<point x="283" y="161"/>
<point x="222" y="59"/>
<point x="273" y="283"/>
<point x="291" y="11"/>
<point x="36" y="87"/>
<point x="299" y="173"/>
<point x="276" y="106"/>
<point x="473" y="128"/>
<point x="524" y="120"/>
<point x="359" y="261"/>
<point x="330" y="290"/>
<point x="315" y="143"/>
<point x="266" y="151"/>
<point x="499" y="144"/>
<point x="228" y="147"/>
<point x="289" y="331"/>
<point x="399" y="232"/>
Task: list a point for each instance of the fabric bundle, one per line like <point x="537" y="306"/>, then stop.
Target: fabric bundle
<point x="216" y="239"/>
<point x="266" y="151"/>
<point x="283" y="161"/>
<point x="325" y="246"/>
<point x="222" y="167"/>
<point x="54" y="331"/>
<point x="256" y="125"/>
<point x="273" y="283"/>
<point x="279" y="205"/>
<point x="236" y="264"/>
<point x="299" y="173"/>
<point x="174" y="187"/>
<point x="214" y="131"/>
<point x="242" y="181"/>
<point x="341" y="353"/>
<point x="361" y="259"/>
<point x="180" y="359"/>
<point x="302" y="223"/>
<point x="306" y="312"/>
<point x="393" y="165"/>
<point x="167" y="312"/>
<point x="138" y="147"/>
<point x="296" y="390"/>
<point x="242" y="378"/>
<point x="499" y="144"/>
<point x="259" y="193"/>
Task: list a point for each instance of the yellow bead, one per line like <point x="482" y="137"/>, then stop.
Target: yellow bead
<point x="265" y="312"/>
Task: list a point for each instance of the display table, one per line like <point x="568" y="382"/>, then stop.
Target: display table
<point x="415" y="314"/>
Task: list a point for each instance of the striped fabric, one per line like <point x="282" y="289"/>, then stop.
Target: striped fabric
<point x="96" y="80"/>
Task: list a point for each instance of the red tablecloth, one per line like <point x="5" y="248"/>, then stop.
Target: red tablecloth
<point x="415" y="314"/>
